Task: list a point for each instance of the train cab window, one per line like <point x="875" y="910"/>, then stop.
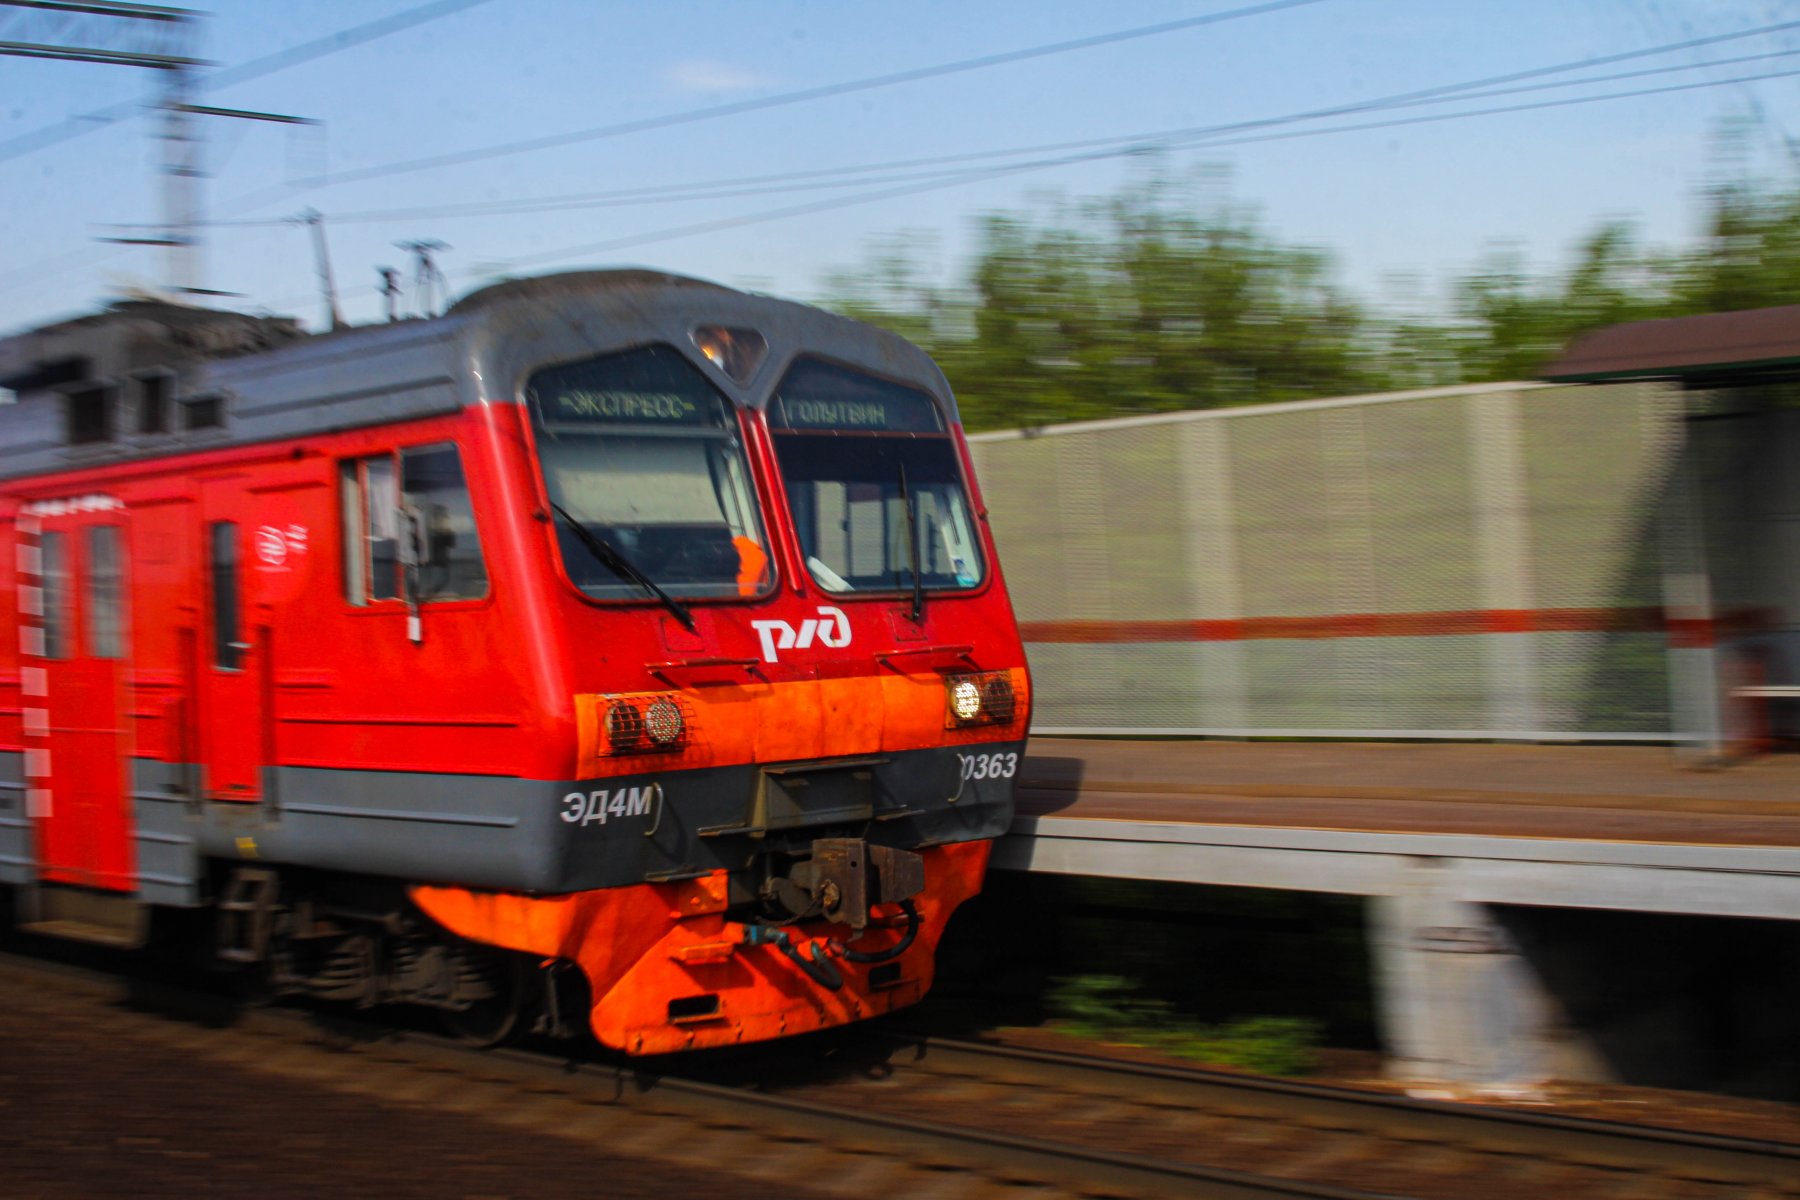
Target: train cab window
<point x="421" y="494"/>
<point x="874" y="481"/>
<point x="643" y="462"/>
<point x="53" y="553"/>
<point x="105" y="593"/>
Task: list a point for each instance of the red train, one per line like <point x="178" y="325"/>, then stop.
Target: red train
<point x="616" y="641"/>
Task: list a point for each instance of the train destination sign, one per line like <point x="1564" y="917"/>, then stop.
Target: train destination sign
<point x="818" y="396"/>
<point x="625" y="406"/>
<point x="652" y="385"/>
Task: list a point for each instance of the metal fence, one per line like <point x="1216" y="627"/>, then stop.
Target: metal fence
<point x="1481" y="562"/>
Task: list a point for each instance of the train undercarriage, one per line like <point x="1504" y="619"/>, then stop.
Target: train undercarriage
<point x="842" y="916"/>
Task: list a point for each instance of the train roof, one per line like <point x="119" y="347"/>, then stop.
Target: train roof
<point x="144" y="378"/>
<point x="569" y="284"/>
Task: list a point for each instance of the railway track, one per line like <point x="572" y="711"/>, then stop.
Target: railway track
<point x="1366" y="1135"/>
<point x="926" y="1116"/>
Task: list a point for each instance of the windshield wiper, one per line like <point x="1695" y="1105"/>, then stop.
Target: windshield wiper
<point x="912" y="548"/>
<point x="614" y="560"/>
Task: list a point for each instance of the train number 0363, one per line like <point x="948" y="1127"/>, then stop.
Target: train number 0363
<point x="988" y="766"/>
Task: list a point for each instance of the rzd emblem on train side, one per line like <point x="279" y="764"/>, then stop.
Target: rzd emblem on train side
<point x="830" y="628"/>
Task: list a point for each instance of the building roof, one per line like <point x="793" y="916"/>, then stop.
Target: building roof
<point x="1753" y="343"/>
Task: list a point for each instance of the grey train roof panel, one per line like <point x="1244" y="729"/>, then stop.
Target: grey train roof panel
<point x="275" y="382"/>
<point x="1752" y="342"/>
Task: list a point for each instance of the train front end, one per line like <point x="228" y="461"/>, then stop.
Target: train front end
<point x="797" y="699"/>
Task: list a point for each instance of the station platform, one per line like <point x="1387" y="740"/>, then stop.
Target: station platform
<point x="1632" y="793"/>
<point x="1457" y="848"/>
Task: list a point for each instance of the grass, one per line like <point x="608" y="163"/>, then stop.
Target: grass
<point x="1113" y="1009"/>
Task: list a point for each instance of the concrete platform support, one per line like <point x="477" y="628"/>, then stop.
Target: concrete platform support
<point x="1458" y="1001"/>
<point x="1500" y="962"/>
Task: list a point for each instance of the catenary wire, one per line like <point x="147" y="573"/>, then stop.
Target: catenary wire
<point x="267" y="195"/>
<point x="604" y="131"/>
<point x="1201" y="138"/>
<point x="860" y="175"/>
<point x="826" y="91"/>
<point x="672" y="233"/>
<point x="1116" y="146"/>
<point x="1400" y="99"/>
<point x="1422" y="94"/>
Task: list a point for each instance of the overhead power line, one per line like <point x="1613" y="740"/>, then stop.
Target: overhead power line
<point x="1193" y="142"/>
<point x="1501" y="110"/>
<point x="257" y="199"/>
<point x="524" y="146"/>
<point x="720" y="224"/>
<point x="1071" y="152"/>
<point x="266" y="195"/>
<point x="551" y="141"/>
<point x="939" y="167"/>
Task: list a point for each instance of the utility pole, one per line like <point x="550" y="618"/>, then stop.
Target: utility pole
<point x="132" y="35"/>
<point x="390" y="292"/>
<point x="427" y="279"/>
<point x="334" y="316"/>
<point x="161" y="39"/>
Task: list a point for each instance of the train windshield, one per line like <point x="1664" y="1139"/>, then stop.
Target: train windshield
<point x="874" y="481"/>
<point x="644" y="455"/>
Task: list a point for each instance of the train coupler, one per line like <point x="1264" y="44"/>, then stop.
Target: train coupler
<point x="843" y="878"/>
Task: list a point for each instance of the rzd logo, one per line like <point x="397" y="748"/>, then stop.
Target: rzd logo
<point x="830" y="628"/>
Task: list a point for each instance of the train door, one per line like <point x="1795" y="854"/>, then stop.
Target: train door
<point x="75" y="724"/>
<point x="233" y="647"/>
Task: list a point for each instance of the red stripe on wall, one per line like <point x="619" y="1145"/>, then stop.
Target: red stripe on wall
<point x="1683" y="633"/>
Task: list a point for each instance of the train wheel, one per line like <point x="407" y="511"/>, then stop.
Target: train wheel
<point x="494" y="1017"/>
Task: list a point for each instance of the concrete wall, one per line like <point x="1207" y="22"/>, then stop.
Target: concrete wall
<point x="1480" y="562"/>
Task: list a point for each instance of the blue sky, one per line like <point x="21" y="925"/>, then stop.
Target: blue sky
<point x="1403" y="209"/>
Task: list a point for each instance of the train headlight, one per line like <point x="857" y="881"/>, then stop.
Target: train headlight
<point x="663" y="722"/>
<point x="997" y="699"/>
<point x="986" y="698"/>
<point x="737" y="352"/>
<point x="624" y="726"/>
<point x="965" y="700"/>
<point x="636" y="723"/>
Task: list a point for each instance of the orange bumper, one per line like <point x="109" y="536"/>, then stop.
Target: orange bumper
<point x="668" y="972"/>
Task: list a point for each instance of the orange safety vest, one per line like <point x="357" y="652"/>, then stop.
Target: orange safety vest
<point x="753" y="564"/>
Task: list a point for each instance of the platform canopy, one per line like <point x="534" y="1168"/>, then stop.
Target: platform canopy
<point x="1716" y="348"/>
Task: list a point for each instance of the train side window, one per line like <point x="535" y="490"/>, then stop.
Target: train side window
<point x="419" y="492"/>
<point x="105" y="593"/>
<point x="356" y="559"/>
<point x="54" y="554"/>
<point x="228" y="642"/>
<point x="371" y="529"/>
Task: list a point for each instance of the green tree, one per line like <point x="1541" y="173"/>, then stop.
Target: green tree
<point x="1157" y="300"/>
<point x="1750" y="257"/>
<point x="1509" y="325"/>
<point x="1130" y="305"/>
